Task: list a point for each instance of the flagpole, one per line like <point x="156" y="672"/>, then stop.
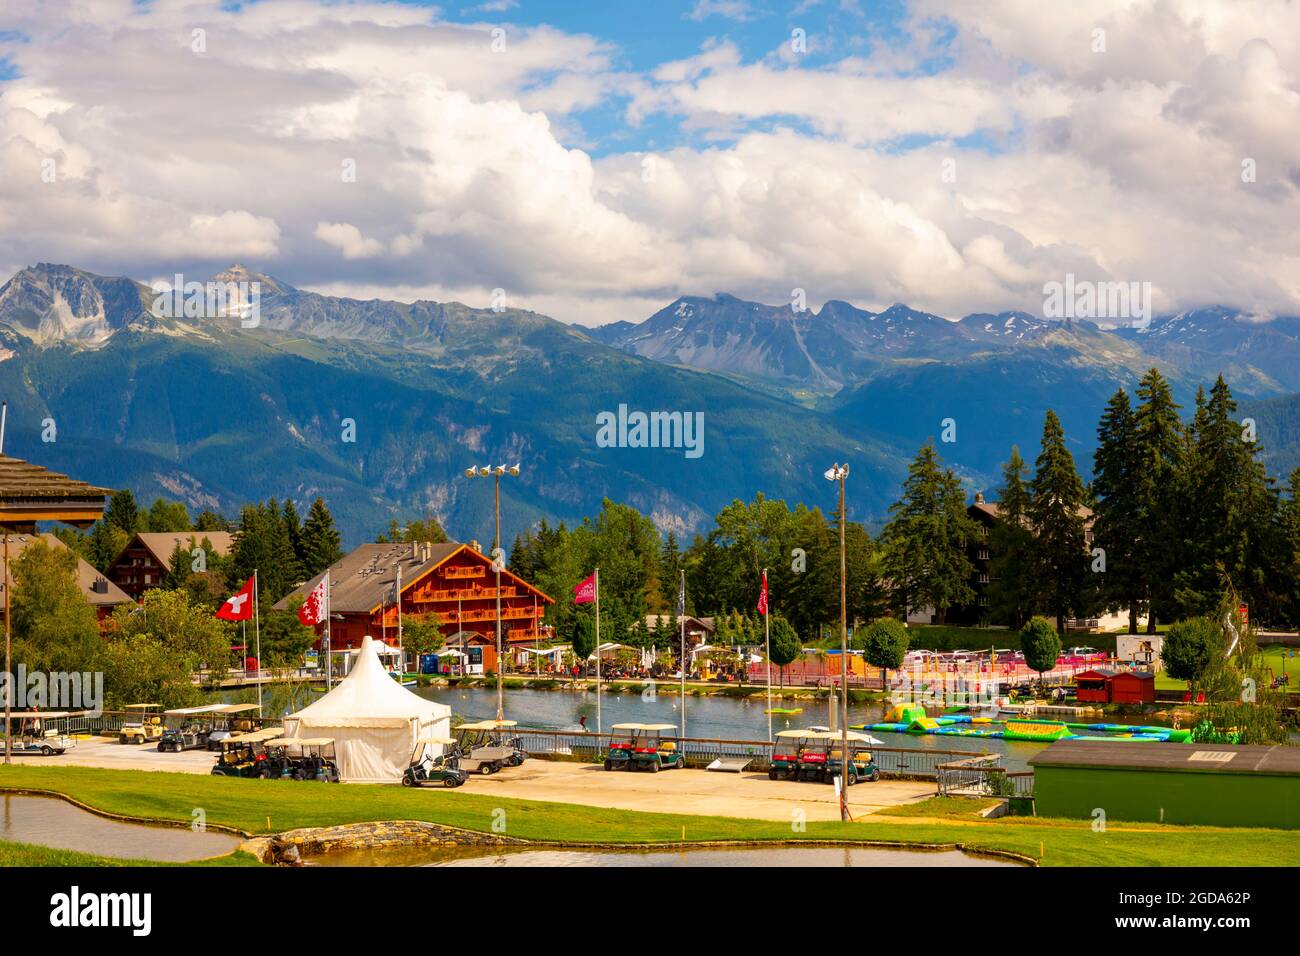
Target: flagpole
<point x="598" y="726"/>
<point x="401" y="653"/>
<point x="329" y="669"/>
<point x="681" y="607"/>
<point x="257" y="633"/>
<point x="767" y="638"/>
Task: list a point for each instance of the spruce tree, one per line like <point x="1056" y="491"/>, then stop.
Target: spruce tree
<point x="1160" y="454"/>
<point x="320" y="540"/>
<point x="1228" y="528"/>
<point x="1010" y="590"/>
<point x="1118" y="509"/>
<point x="926" y="539"/>
<point x="1060" y="560"/>
<point x="123" y="513"/>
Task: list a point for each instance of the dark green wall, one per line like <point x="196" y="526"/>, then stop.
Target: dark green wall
<point x="1214" y="799"/>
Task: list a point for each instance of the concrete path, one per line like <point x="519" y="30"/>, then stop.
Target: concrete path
<point x="747" y="795"/>
<point x="701" y="792"/>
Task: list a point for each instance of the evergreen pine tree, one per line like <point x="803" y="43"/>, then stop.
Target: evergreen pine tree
<point x="1010" y="591"/>
<point x="1059" y="559"/>
<point x="926" y="539"/>
<point x="123" y="513"/>
<point x="321" y="543"/>
<point x="1160" y="450"/>
<point x="1118" y="509"/>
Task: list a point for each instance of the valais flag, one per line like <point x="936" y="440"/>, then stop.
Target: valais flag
<point x="585" y="592"/>
<point x="238" y="607"/>
<point x="762" y="597"/>
<point x="312" y="611"/>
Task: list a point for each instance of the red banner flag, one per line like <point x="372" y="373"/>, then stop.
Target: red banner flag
<point x="239" y="606"/>
<point x="313" y="609"/>
<point x="762" y="597"/>
<point x="585" y="592"/>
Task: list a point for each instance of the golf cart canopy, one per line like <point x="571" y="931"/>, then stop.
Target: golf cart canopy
<point x="285" y="742"/>
<point x="255" y="736"/>
<point x="235" y="708"/>
<point x="46" y="714"/>
<point x="627" y="727"/>
<point x="439" y="741"/>
<point x="189" y="711"/>
<point x="658" y="728"/>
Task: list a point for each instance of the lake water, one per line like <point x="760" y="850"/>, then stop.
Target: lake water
<point x="50" y="822"/>
<point x="784" y="856"/>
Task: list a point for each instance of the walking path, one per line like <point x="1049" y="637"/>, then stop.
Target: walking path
<point x="701" y="792"/>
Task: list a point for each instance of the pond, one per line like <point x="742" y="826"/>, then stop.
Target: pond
<point x="787" y="856"/>
<point x="50" y="822"/>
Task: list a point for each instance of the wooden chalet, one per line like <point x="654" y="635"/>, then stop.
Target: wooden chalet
<point x="100" y="593"/>
<point x="145" y="560"/>
<point x="454" y="580"/>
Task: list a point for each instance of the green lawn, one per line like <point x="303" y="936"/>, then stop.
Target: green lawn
<point x="948" y="808"/>
<point x="27" y="854"/>
<point x="260" y="806"/>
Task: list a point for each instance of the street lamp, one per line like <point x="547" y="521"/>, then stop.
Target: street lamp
<point x="485" y="471"/>
<point x="839" y="473"/>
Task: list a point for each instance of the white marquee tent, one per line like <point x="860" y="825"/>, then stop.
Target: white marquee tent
<point x="374" y="721"/>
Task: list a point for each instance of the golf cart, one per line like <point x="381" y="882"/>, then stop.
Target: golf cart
<point x="479" y="750"/>
<point x="619" y="755"/>
<point x="142" y="724"/>
<point x="785" y="754"/>
<point x="293" y="758"/>
<point x="651" y="752"/>
<point x="499" y="738"/>
<point x="43" y="732"/>
<point x="231" y="719"/>
<point x="861" y="764"/>
<point x="187" y="728"/>
<point x="814" y="754"/>
<point x="243" y="754"/>
<point x="443" y="769"/>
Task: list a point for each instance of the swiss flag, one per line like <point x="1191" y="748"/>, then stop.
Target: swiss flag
<point x="762" y="597"/>
<point x="238" y="607"/>
<point x="313" y="610"/>
<point x="585" y="592"/>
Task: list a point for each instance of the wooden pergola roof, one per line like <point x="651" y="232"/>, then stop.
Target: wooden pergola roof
<point x="30" y="493"/>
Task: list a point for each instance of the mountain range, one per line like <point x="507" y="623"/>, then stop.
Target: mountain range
<point x="212" y="413"/>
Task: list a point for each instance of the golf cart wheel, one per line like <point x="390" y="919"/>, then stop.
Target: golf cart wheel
<point x="407" y="781"/>
<point x="485" y="768"/>
<point x="654" y="767"/>
<point x="47" y="750"/>
<point x="450" y="782"/>
<point x="875" y="774"/>
<point x="609" y="764"/>
<point x="771" y="775"/>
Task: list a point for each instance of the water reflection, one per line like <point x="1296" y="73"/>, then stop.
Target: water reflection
<point x="49" y="822"/>
<point x="785" y="856"/>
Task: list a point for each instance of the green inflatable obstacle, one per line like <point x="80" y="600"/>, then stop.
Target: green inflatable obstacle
<point x="1036" y="730"/>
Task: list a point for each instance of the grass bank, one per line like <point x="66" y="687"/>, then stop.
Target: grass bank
<point x="263" y="806"/>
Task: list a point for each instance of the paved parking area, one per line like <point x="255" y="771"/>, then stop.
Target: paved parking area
<point x="102" y="752"/>
<point x="749" y="795"/>
<point x="701" y="792"/>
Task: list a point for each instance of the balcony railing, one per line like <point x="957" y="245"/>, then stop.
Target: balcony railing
<point x="466" y="572"/>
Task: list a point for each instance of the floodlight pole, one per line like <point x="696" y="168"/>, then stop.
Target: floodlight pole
<point x="838" y="473"/>
<point x="9" y="671"/>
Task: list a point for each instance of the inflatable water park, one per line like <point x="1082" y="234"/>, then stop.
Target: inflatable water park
<point x="912" y="719"/>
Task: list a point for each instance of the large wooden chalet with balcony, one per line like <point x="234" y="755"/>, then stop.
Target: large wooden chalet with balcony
<point x="456" y="581"/>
